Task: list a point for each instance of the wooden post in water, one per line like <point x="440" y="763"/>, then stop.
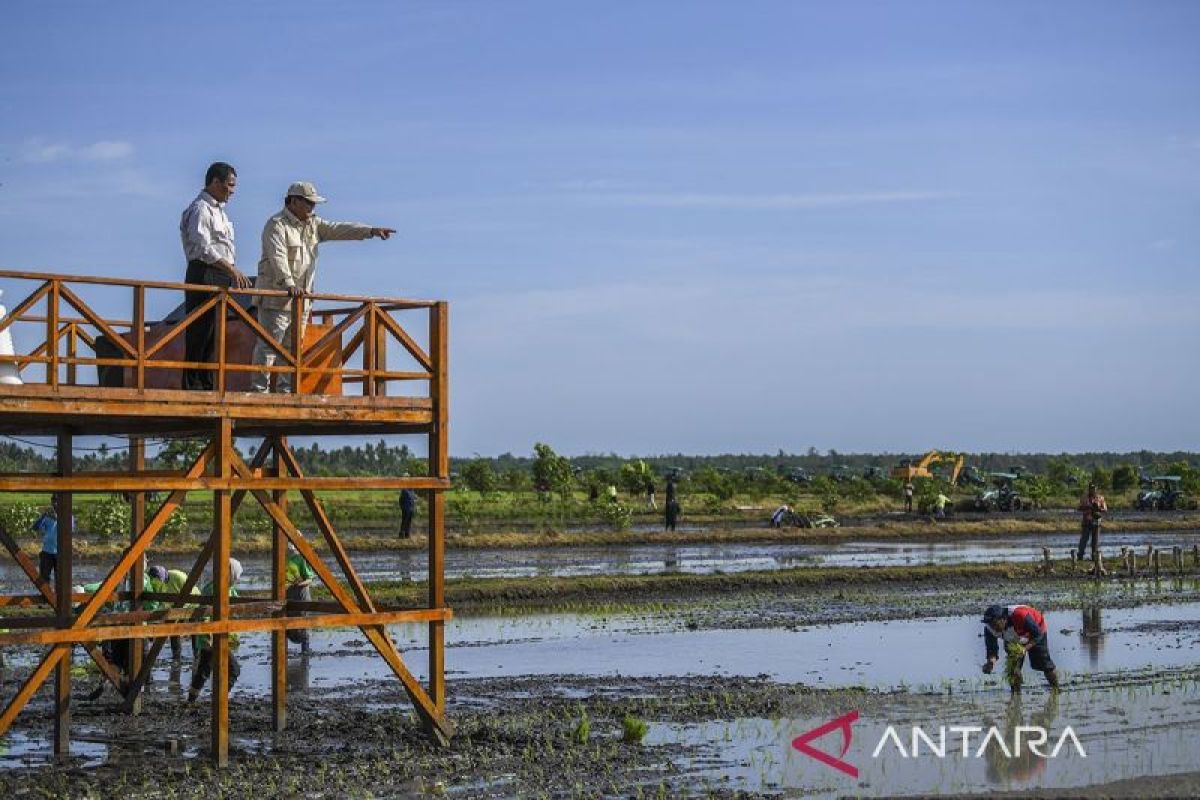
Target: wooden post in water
<point x="1046" y="565"/>
<point x="66" y="612"/>
<point x="1156" y="560"/>
<point x="1097" y="563"/>
<point x="1196" y="556"/>
<point x="1074" y="560"/>
<point x="279" y="594"/>
<point x="1177" y="557"/>
<point x="137" y="519"/>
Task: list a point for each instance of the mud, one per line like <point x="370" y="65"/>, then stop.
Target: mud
<point x="708" y="736"/>
<point x="725" y="669"/>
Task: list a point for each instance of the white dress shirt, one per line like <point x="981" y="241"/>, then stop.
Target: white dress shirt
<point x="206" y="231"/>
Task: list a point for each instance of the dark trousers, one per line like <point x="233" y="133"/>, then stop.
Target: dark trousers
<point x="204" y="669"/>
<point x="1039" y="654"/>
<point x="406" y="521"/>
<point x="47" y="563"/>
<point x="672" y="517"/>
<point x="299" y="635"/>
<point x="199" y="335"/>
<point x="1091" y="529"/>
<point x="908" y="503"/>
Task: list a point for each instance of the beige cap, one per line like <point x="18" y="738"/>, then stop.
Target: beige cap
<point x="306" y="190"/>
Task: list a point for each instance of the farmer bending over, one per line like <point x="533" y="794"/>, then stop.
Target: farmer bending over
<point x="1023" y="630"/>
<point x="202" y="643"/>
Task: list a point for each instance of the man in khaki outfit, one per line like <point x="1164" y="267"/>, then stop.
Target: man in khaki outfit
<point x="289" y="263"/>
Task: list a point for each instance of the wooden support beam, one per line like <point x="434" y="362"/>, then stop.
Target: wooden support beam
<point x="197" y="483"/>
<point x="135" y="551"/>
<point x="379" y="354"/>
<point x="278" y="592"/>
<point x="196" y="624"/>
<point x="49" y="595"/>
<point x="439" y="466"/>
<point x="52" y="333"/>
<point x="222" y="542"/>
<point x="39" y="675"/>
<point x="137" y="521"/>
<point x="139" y="683"/>
<point x="64" y="610"/>
<point x="20" y="308"/>
<point x="325" y="525"/>
<point x="440" y="727"/>
<point x="139" y="336"/>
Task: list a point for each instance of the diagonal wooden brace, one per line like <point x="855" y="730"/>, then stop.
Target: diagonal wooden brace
<point x="437" y="722"/>
<point x="31" y="685"/>
<point x="138" y="684"/>
<point x="325" y="525"/>
<point x="106" y="667"/>
<point x="144" y="540"/>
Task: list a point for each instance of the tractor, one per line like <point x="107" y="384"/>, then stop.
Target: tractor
<point x="1003" y="496"/>
<point x="1162" y="493"/>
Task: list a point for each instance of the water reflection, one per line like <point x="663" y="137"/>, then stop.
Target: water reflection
<point x="298" y="673"/>
<point x="1024" y="765"/>
<point x="1092" y="634"/>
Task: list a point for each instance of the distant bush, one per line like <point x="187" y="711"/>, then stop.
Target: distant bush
<point x="18" y="518"/>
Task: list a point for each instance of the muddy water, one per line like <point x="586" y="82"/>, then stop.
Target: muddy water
<point x="1125" y="732"/>
<point x="695" y="558"/>
<point x="936" y="653"/>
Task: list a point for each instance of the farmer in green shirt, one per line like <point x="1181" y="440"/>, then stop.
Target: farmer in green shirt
<point x="298" y="575"/>
<point x="169" y="581"/>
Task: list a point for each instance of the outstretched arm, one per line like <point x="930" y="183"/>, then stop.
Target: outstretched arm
<point x="343" y="231"/>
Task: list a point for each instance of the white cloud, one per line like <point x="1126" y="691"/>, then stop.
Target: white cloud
<point x="765" y="201"/>
<point x="39" y="151"/>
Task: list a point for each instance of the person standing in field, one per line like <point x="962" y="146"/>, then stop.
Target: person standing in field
<point x="672" y="506"/>
<point x="408" y="509"/>
<point x="207" y="236"/>
<point x="1093" y="506"/>
<point x="908" y="496"/>
<point x="290" y="241"/>
<point x="939" y="506"/>
<point x="47" y="526"/>
<point x="651" y="500"/>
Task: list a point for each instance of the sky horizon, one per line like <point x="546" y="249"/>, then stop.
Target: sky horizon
<point x="674" y="227"/>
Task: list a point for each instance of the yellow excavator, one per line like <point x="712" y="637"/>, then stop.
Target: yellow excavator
<point x="906" y="471"/>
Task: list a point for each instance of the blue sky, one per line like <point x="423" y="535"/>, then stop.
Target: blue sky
<point x="670" y="226"/>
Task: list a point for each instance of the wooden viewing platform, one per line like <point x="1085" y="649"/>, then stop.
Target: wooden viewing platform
<point x="94" y="360"/>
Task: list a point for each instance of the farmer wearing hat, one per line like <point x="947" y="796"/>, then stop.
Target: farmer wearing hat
<point x="1023" y="629"/>
<point x="290" y="242"/>
<point x="170" y="581"/>
<point x="1094" y="508"/>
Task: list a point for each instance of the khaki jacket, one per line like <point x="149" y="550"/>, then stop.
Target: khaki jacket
<point x="289" y="252"/>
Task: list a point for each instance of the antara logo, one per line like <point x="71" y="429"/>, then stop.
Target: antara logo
<point x="843" y="722"/>
<point x="1032" y="738"/>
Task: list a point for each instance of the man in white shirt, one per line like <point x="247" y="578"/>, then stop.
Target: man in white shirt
<point x="290" y="241"/>
<point x="207" y="236"/>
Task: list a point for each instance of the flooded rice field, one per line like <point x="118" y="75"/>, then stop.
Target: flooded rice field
<point x="704" y="558"/>
<point x="718" y="689"/>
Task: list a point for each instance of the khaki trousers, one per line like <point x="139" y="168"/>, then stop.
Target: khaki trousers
<point x="278" y="323"/>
